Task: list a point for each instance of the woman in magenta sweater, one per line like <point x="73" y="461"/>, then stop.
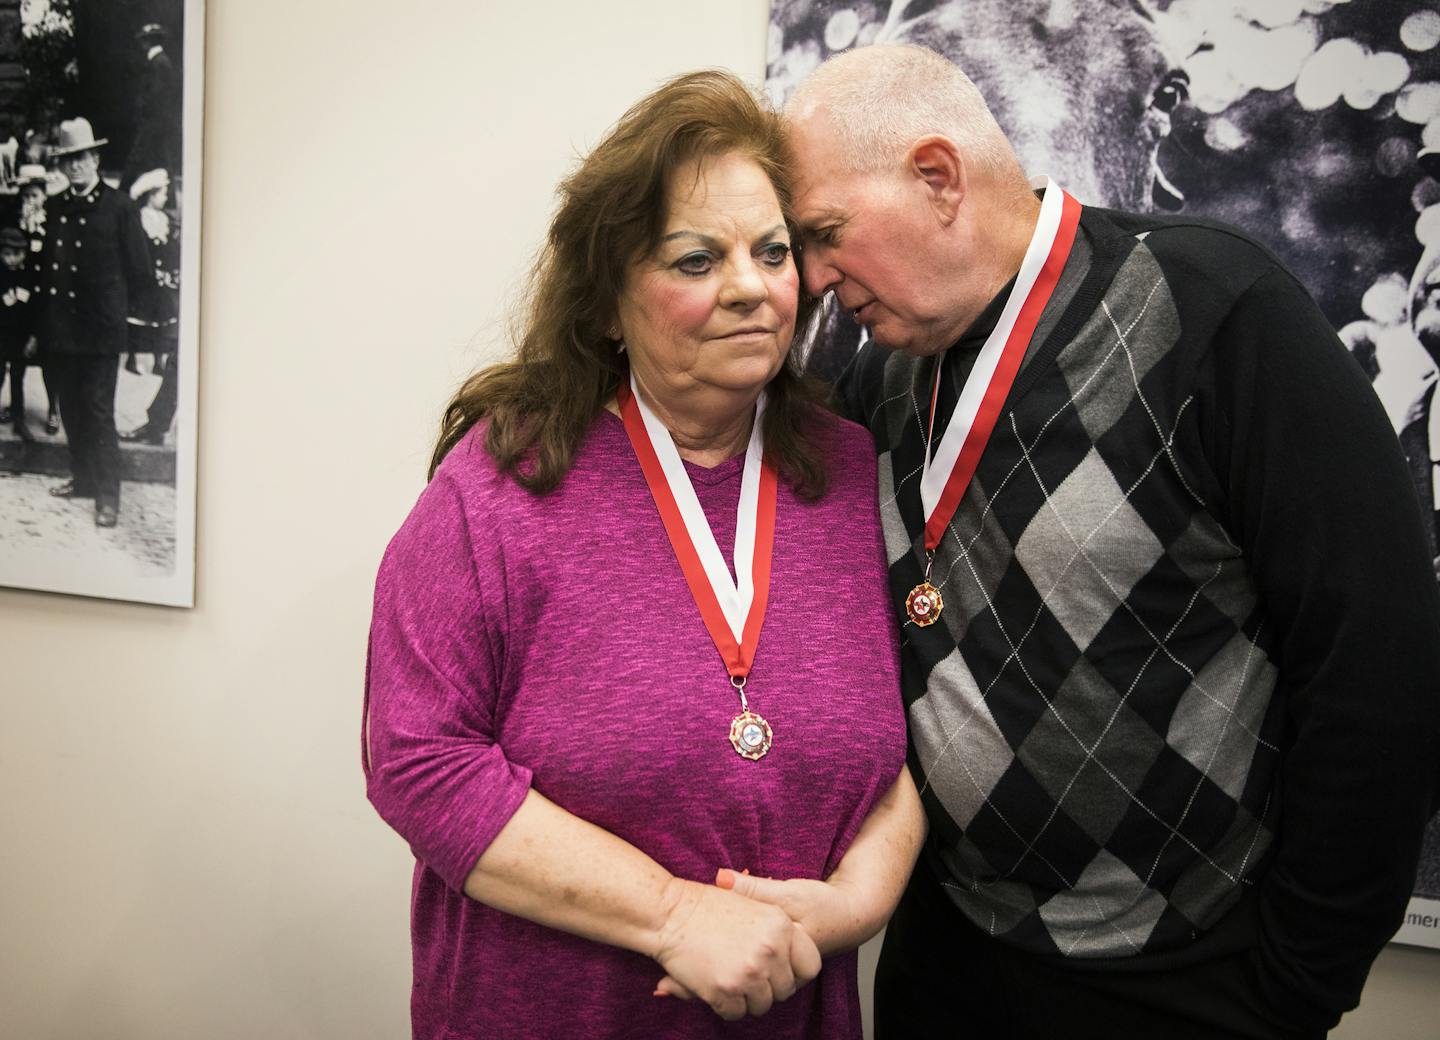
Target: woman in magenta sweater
<point x="635" y="631"/>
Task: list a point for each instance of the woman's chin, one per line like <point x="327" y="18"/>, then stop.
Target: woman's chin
<point x="748" y="374"/>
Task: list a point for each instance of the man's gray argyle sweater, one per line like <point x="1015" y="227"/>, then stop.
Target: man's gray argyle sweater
<point x="1189" y="652"/>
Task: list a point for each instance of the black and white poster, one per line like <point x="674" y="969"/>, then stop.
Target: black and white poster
<point x="1313" y="124"/>
<point x="100" y="144"/>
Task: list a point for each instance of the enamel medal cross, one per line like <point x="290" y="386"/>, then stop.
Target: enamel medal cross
<point x="923" y="605"/>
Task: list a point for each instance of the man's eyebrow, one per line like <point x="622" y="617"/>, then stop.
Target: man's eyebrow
<point x="822" y="219"/>
<point x="813" y="228"/>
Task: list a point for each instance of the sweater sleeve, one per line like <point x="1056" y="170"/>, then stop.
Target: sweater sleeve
<point x="1321" y="503"/>
<point x="433" y="768"/>
<point x="858" y="388"/>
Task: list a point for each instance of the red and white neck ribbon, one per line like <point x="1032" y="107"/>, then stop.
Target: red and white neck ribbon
<point x="733" y="609"/>
<point x="947" y="474"/>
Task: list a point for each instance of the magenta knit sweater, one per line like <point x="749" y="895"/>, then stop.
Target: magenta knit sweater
<point x="551" y="641"/>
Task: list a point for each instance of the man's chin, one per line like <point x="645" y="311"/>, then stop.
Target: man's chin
<point x="900" y="343"/>
<point x="884" y="337"/>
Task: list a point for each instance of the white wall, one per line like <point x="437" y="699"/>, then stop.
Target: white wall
<point x="186" y="847"/>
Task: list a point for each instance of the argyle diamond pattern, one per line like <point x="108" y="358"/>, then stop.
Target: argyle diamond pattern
<point x="1091" y="718"/>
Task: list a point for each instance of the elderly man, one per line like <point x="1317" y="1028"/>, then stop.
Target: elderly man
<point x="94" y="260"/>
<point x="1171" y="637"/>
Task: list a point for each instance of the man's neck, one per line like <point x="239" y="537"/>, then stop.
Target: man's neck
<point x="1005" y="241"/>
<point x="85" y="189"/>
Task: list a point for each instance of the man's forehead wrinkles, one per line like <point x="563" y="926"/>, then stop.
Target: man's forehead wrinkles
<point x="821" y="216"/>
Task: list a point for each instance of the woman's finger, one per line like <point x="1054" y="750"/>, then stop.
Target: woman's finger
<point x="782" y="980"/>
<point x="668" y="987"/>
<point x="767" y="890"/>
<point x="726" y="878"/>
<point x="804" y="956"/>
<point x="759" y="1000"/>
<point x="731" y="1009"/>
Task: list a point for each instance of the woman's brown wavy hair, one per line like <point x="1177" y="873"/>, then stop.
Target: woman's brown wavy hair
<point x="612" y="212"/>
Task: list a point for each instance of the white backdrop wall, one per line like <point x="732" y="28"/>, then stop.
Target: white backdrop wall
<point x="187" y="850"/>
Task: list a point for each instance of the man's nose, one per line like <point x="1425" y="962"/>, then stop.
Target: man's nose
<point x="820" y="275"/>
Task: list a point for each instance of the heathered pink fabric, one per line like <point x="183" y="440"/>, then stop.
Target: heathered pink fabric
<point x="552" y="641"/>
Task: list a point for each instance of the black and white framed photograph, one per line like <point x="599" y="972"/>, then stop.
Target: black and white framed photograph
<point x="1312" y="124"/>
<point x="100" y="145"/>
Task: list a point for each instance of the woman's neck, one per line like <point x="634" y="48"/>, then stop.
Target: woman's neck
<point x="707" y="428"/>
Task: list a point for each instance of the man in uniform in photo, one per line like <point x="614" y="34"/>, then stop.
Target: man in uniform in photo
<point x="1170" y="633"/>
<point x="95" y="260"/>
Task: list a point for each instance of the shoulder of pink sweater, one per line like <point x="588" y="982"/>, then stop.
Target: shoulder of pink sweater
<point x="847" y="447"/>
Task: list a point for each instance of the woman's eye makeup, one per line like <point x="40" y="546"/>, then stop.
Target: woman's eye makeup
<point x="694" y="263"/>
<point x="772" y="254"/>
<point x="775" y="253"/>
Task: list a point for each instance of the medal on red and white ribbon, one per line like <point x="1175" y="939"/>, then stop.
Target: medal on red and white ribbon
<point x="733" y="609"/>
<point x="947" y="474"/>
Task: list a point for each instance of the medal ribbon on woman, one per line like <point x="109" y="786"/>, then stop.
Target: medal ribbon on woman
<point x="733" y="610"/>
<point x="945" y="478"/>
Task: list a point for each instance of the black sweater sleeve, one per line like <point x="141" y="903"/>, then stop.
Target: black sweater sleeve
<point x="1319" y="498"/>
<point x="858" y="390"/>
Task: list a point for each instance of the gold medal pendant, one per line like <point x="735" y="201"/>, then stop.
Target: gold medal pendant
<point x="924" y="604"/>
<point x="732" y="606"/>
<point x="750" y="735"/>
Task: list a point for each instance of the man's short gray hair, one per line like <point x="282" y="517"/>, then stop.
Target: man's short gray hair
<point x="880" y="99"/>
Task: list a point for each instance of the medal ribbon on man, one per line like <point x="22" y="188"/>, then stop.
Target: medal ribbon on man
<point x="944" y="479"/>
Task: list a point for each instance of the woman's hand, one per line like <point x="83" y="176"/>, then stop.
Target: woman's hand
<point x="736" y="966"/>
<point x="738" y="955"/>
<point x="854" y="902"/>
<point x="831" y="912"/>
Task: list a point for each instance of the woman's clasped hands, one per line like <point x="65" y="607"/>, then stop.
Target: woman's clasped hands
<point x="745" y="943"/>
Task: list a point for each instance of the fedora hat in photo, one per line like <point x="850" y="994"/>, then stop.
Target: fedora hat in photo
<point x="31" y="173"/>
<point x="76" y="135"/>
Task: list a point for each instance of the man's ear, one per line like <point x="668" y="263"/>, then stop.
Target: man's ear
<point x="936" y="161"/>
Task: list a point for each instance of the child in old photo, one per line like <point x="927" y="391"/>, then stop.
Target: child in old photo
<point x="17" y="341"/>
